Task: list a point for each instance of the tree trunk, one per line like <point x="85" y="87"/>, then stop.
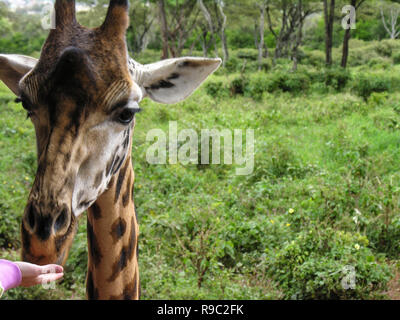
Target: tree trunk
<point x="271" y="29"/>
<point x="329" y="15"/>
<point x="287" y="29"/>
<point x="210" y="23"/>
<point x="345" y="52"/>
<point x="193" y="45"/>
<point x="222" y="27"/>
<point x="261" y="43"/>
<point x="280" y="39"/>
<point x="256" y="28"/>
<point x="164" y="29"/>
<point x="265" y="53"/>
<point x="347" y="36"/>
<point x="204" y="43"/>
<point x="299" y="35"/>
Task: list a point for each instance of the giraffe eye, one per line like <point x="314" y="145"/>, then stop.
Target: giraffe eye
<point x="127" y="115"/>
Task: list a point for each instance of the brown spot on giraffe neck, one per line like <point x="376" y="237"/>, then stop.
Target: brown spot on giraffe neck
<point x="126" y="253"/>
<point x="116" y="275"/>
<point x="94" y="247"/>
<point x="118" y="229"/>
<point x="120" y="180"/>
<point x="127" y="195"/>
<point x="92" y="291"/>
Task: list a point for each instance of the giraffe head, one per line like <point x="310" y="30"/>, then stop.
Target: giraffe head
<point x="82" y="96"/>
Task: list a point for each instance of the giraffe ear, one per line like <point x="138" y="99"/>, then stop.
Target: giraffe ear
<point x="13" y="67"/>
<point x="173" y="80"/>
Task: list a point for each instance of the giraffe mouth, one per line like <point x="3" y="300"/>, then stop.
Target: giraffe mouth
<point x="53" y="249"/>
<point x="61" y="258"/>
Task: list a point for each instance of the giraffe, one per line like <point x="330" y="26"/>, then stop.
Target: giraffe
<point x="82" y="96"/>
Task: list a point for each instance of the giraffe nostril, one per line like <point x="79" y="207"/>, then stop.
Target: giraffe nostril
<point x="61" y="220"/>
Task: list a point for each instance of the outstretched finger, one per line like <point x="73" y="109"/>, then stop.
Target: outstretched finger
<point x="50" y="277"/>
<point x="51" y="268"/>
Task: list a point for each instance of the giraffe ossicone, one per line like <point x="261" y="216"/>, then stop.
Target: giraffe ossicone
<point x="82" y="96"/>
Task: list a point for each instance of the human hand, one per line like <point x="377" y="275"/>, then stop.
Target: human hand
<point x="33" y="274"/>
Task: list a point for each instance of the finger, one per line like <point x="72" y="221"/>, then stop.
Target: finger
<point x="50" y="277"/>
<point x="41" y="279"/>
<point x="51" y="268"/>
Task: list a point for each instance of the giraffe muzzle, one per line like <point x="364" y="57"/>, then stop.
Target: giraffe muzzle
<point x="47" y="237"/>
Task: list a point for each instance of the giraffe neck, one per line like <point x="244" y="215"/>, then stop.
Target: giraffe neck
<point x="113" y="271"/>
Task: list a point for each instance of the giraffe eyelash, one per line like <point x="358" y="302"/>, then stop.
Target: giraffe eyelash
<point x="24" y="103"/>
<point x="26" y="106"/>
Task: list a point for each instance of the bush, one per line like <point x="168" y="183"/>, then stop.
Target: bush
<point x="234" y="65"/>
<point x="215" y="89"/>
<point x="320" y="263"/>
<point x="252" y="66"/>
<point x="291" y="82"/>
<point x="248" y="54"/>
<point x="364" y="85"/>
<point x="360" y="53"/>
<point x="336" y="78"/>
<point x="257" y="85"/>
<point x="369" y="30"/>
<point x="379" y="63"/>
<point x="240" y="38"/>
<point x="396" y="58"/>
<point x="238" y="85"/>
<point x="386" y="237"/>
<point x="315" y="58"/>
<point x="384" y="48"/>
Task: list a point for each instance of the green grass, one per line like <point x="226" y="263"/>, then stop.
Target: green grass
<point x="320" y="158"/>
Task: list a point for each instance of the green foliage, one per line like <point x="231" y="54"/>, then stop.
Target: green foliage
<point x="314" y="58"/>
<point x="247" y="54"/>
<point x="369" y="30"/>
<point x="396" y="58"/>
<point x="234" y="65"/>
<point x="365" y="85"/>
<point x="257" y="85"/>
<point x="317" y="264"/>
<point x="336" y="78"/>
<point x="239" y="38"/>
<point x="260" y="83"/>
<point x="215" y="89"/>
<point x="238" y="85"/>
<point x="323" y="196"/>
<point x="295" y="82"/>
<point x="384" y="48"/>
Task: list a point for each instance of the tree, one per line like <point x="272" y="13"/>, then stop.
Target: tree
<point x="329" y="15"/>
<point x="215" y="25"/>
<point x="177" y="21"/>
<point x="221" y="20"/>
<point x="347" y="35"/>
<point x="143" y="15"/>
<point x="262" y="6"/>
<point x="293" y="14"/>
<point x="298" y="35"/>
<point x="392" y="29"/>
<point x="210" y="23"/>
<point x="164" y="29"/>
